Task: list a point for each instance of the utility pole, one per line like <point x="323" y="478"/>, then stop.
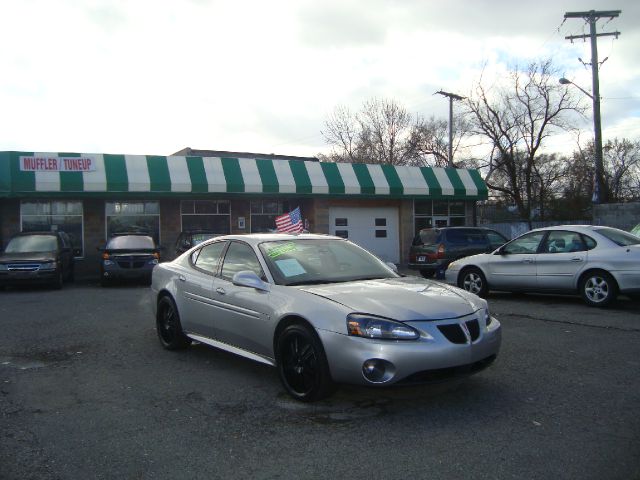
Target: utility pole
<point x="601" y="191"/>
<point x="452" y="97"/>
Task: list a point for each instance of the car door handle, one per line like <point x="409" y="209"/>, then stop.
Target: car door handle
<point x="220" y="290"/>
<point x="576" y="259"/>
<point x="182" y="278"/>
<point x="527" y="260"/>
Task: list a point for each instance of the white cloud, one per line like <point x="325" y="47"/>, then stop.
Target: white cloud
<point x="155" y="76"/>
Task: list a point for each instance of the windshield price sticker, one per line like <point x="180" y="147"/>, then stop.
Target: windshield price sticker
<point x="275" y="252"/>
<point x="290" y="267"/>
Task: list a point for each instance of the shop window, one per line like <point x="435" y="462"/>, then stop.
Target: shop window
<point x="439" y="213"/>
<point x="423" y="207"/>
<point x="264" y="213"/>
<point x="381" y="222"/>
<point x="456" y="208"/>
<point x="134" y="217"/>
<point x="54" y="216"/>
<point x="342" y="222"/>
<point x="441" y="208"/>
<point x="381" y="234"/>
<point x="209" y="215"/>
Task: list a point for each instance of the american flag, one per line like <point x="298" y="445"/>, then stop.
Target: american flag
<point x="290" y="222"/>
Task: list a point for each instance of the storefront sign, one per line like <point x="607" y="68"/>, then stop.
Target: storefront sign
<point x="57" y="164"/>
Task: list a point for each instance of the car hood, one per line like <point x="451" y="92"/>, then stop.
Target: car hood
<point x="27" y="257"/>
<point x="403" y="299"/>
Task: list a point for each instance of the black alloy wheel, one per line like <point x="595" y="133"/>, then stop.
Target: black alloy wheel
<point x="168" y="326"/>
<point x="302" y="364"/>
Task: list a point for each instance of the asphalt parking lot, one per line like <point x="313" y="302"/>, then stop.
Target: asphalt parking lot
<point x="86" y="391"/>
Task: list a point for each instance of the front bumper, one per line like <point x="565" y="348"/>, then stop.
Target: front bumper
<point x="115" y="272"/>
<point x="28" y="277"/>
<point x="429" y="358"/>
<point x="451" y="276"/>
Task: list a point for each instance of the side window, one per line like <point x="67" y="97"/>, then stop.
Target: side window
<point x="557" y="242"/>
<point x="526" y="244"/>
<point x="208" y="257"/>
<point x="239" y="257"/>
<point x="590" y="242"/>
<point x="495" y="239"/>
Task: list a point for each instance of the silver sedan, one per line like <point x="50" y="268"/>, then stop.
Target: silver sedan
<point x="322" y="311"/>
<point x="596" y="262"/>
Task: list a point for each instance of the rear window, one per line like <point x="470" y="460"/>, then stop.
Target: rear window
<point x="427" y="237"/>
<point x="619" y="237"/>
<point x="127" y="242"/>
<point x="466" y="236"/>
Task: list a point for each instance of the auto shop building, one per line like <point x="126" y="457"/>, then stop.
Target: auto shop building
<point x="91" y="196"/>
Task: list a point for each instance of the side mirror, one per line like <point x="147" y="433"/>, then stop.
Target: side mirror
<point x="392" y="266"/>
<point x="247" y="278"/>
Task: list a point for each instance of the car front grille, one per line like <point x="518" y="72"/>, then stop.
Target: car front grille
<point x="456" y="334"/>
<point x="23" y="267"/>
<point x="130" y="264"/>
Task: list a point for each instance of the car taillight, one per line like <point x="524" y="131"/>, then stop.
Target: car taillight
<point x="157" y="255"/>
<point x="440" y="252"/>
<point x="105" y="256"/>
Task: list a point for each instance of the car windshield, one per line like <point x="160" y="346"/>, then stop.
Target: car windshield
<point x="32" y="243"/>
<point x="310" y="261"/>
<point x="620" y="237"/>
<point x="130" y="242"/>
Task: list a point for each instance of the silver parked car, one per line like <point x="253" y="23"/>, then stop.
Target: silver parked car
<point x="596" y="262"/>
<point x="322" y="310"/>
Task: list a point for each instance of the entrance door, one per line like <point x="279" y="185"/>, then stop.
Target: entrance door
<point x="376" y="229"/>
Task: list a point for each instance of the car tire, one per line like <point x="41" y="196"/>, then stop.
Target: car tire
<point x="427" y="273"/>
<point x="71" y="276"/>
<point x="104" y="281"/>
<point x="473" y="281"/>
<point x="598" y="288"/>
<point x="302" y="364"/>
<point x="168" y="326"/>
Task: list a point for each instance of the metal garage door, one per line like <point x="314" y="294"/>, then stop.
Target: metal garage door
<point x="376" y="229"/>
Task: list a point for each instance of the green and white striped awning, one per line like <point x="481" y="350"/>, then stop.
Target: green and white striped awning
<point x="23" y="174"/>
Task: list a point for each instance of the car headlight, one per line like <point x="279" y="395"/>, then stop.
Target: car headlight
<point x="370" y="326"/>
<point x="48" y="266"/>
<point x="487" y="316"/>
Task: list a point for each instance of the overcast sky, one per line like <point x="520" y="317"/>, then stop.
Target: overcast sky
<point x="156" y="76"/>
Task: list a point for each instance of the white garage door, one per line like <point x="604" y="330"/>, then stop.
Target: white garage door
<point x="375" y="229"/>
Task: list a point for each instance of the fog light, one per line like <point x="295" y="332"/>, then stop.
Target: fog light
<point x="376" y="370"/>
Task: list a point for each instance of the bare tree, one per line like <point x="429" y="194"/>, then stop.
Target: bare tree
<point x="385" y="132"/>
<point x="517" y="118"/>
<point x="622" y="169"/>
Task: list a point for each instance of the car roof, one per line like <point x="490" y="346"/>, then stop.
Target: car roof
<point x="256" y="238"/>
<point x="22" y="234"/>
<point x="578" y="228"/>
